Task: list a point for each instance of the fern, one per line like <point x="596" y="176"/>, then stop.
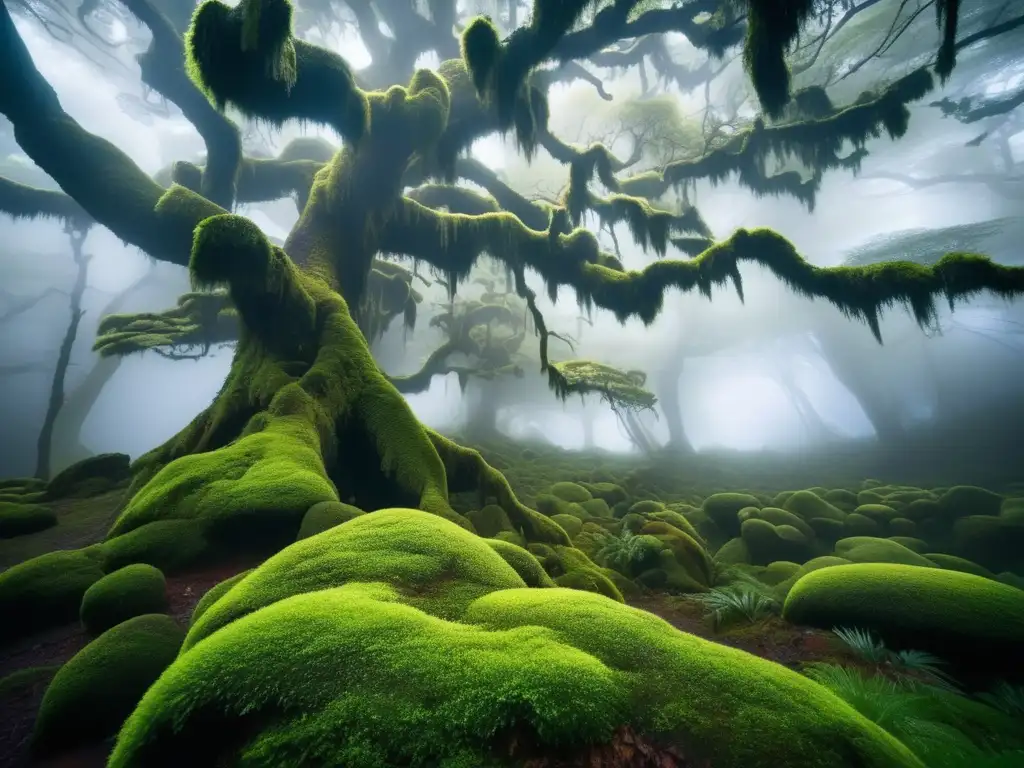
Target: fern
<point x="737" y="602"/>
<point x="914" y="664"/>
<point x="1006" y="698"/>
<point x="863" y="643"/>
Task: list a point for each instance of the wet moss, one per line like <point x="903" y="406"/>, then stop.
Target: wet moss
<point x="121" y="595"/>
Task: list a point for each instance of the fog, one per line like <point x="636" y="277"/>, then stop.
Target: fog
<point x="737" y="355"/>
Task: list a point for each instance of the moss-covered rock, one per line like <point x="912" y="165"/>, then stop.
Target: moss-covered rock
<point x="723" y="509"/>
<point x="95" y="691"/>
<point x="390" y="685"/>
<point x="857" y="524"/>
<point x="815" y="564"/>
<point x="416" y="551"/>
<point x="325" y="515"/>
<point x="128" y="592"/>
<point x="902" y="526"/>
<point x="973" y="622"/>
<point x="596" y="508"/>
<point x="572" y="525"/>
<point x="688" y="554"/>
<point x="995" y="542"/>
<point x="870" y="549"/>
<point x="17" y="519"/>
<point x="573" y="492"/>
<point x="954" y="563"/>
<point x="523" y="562"/>
<point x="91" y="476"/>
<point x="733" y="552"/>
<point x="809" y="505"/>
<point x="881" y="513"/>
<point x="609" y="492"/>
<point x="840" y="498"/>
<point x="646" y="507"/>
<point x="962" y="500"/>
<point x="767" y="543"/>
<point x="912" y="543"/>
<point x="45" y="591"/>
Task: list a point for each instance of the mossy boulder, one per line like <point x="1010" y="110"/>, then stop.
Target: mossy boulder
<point x="415" y="551"/>
<point x="995" y="542"/>
<point x="18" y="519"/>
<point x="596" y="508"/>
<point x="954" y="563"/>
<point x="573" y="492"/>
<point x="609" y="492"/>
<point x="91" y="476"/>
<point x="733" y="552"/>
<point x="389" y="685"/>
<point x="857" y="524"/>
<point x="128" y="592"/>
<point x="688" y="553"/>
<point x="525" y="564"/>
<point x="870" y="549"/>
<point x="572" y="525"/>
<point x="92" y="694"/>
<point x="880" y="513"/>
<point x="974" y="623"/>
<point x="841" y="498"/>
<point x="870" y="497"/>
<point x="45" y="591"/>
<point x="767" y="542"/>
<point x="809" y="505"/>
<point x="962" y="500"/>
<point x="902" y="526"/>
<point x="325" y="515"/>
<point x="646" y="507"/>
<point x="723" y="509"/>
<point x="922" y="509"/>
<point x="814" y="564"/>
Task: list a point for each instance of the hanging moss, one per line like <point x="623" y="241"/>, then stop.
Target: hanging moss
<point x="246" y="56"/>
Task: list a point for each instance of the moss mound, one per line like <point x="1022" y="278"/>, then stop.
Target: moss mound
<point x="975" y="623"/>
<point x="389" y="685"/>
<point x="131" y="591"/>
<point x="45" y="591"/>
<point x="18" y="519"/>
<point x="93" y="693"/>
<point x="215" y="593"/>
<point x="91" y="476"/>
<point x="434" y="562"/>
<point x="525" y="564"/>
<point x="170" y="545"/>
<point x="325" y="515"/>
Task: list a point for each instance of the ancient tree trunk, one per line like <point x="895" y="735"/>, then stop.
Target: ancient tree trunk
<point x="667" y="390"/>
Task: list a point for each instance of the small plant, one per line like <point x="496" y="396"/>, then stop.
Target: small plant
<point x="736" y="602"/>
<point x="863" y="643"/>
<point x="1006" y="698"/>
<point x="914" y="664"/>
<point x="631" y="554"/>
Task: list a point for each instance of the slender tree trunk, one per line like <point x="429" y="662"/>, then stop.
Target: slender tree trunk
<point x="671" y="407"/>
<point x="44" y="445"/>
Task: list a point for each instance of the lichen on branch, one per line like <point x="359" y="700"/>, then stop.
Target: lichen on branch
<point x="200" y="320"/>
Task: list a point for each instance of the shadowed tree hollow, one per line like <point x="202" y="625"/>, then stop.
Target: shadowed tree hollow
<point x="305" y="414"/>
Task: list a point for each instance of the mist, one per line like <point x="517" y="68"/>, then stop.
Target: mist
<point x="737" y="357"/>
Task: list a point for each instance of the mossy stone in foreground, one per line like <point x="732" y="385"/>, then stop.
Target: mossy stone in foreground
<point x="215" y="593"/>
<point x="123" y="594"/>
<point x="352" y="676"/>
<point x="525" y="564"/>
<point x="971" y="621"/>
<point x="326" y="515"/>
<point x="433" y="562"/>
<point x="95" y="691"/>
<point x="45" y="591"/>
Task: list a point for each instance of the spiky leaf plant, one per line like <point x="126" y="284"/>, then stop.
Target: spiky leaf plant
<point x="737" y="602"/>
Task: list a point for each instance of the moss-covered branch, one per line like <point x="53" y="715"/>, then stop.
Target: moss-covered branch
<point x="454" y="242"/>
<point x="247" y="56"/>
<point x="22" y="201"/>
<point x="199" y="321"/>
<point x="162" y="67"/>
<point x="92" y="171"/>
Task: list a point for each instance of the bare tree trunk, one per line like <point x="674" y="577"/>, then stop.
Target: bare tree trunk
<point x="668" y="397"/>
<point x="44" y="445"/>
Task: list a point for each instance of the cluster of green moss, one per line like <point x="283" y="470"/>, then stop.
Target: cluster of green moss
<point x="451" y="656"/>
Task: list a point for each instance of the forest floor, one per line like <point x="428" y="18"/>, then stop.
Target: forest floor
<point x="85" y="521"/>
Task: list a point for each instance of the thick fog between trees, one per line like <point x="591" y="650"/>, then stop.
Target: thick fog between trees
<point x="775" y="372"/>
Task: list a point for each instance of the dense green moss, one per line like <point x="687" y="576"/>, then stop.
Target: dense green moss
<point x="95" y="691"/>
<point x="390" y="685"/>
<point x="868" y="549"/>
<point x="971" y="621"/>
<point x="18" y="519"/>
<point x="45" y="591"/>
<point x="215" y="593"/>
<point x="722" y="508"/>
<point x="90" y="476"/>
<point x="324" y="515"/>
<point x="437" y="565"/>
<point x="523" y="562"/>
<point x="170" y="545"/>
<point x="125" y="593"/>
